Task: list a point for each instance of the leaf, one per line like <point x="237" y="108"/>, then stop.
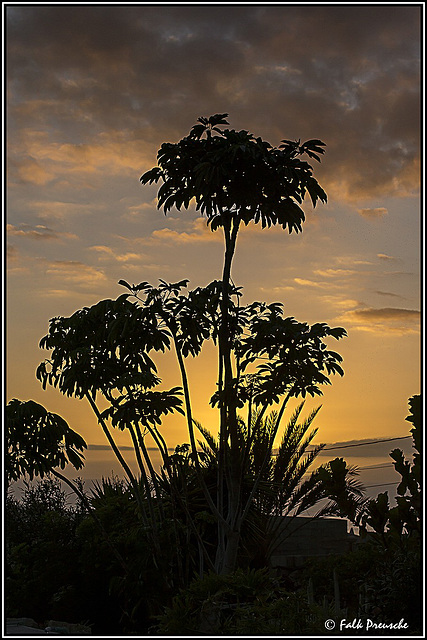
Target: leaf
<point x="123" y="283"/>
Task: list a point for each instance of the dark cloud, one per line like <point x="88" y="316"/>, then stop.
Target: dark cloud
<point x="347" y="74"/>
<point x="386" y="314"/>
<point x="37" y="232"/>
<point x="388" y="293"/>
<point x="386" y="321"/>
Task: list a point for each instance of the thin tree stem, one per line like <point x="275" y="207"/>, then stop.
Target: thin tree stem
<point x="144" y="477"/>
<point x="116" y="450"/>
<point x="191" y="430"/>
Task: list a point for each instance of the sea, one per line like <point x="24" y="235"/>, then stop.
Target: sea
<point x="370" y="458"/>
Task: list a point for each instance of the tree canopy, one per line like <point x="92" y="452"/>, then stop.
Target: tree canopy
<point x="233" y="174"/>
<point x="38" y="441"/>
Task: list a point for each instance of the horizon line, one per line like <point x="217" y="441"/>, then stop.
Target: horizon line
<point x="340" y="444"/>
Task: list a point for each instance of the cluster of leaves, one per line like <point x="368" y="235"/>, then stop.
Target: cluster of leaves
<point x="285" y="484"/>
<point x="38" y="440"/>
<point x="106" y="348"/>
<point x="394" y="524"/>
<point x="232" y="173"/>
<point x="287" y="487"/>
<point x="101" y="348"/>
<point x="298" y="360"/>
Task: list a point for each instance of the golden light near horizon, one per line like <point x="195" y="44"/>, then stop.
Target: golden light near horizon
<point x="87" y="113"/>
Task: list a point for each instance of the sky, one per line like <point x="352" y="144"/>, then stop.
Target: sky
<point x="92" y="93"/>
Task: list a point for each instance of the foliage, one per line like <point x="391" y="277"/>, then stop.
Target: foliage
<point x="382" y="578"/>
<point x="42" y="569"/>
<point x="38" y="441"/>
<point x="393" y="525"/>
<point x="283" y="481"/>
<point x="58" y="565"/>
<point x="121" y="332"/>
<point x="234" y="178"/>
<point x="234" y="174"/>
<point x="246" y="602"/>
<point x="381" y="584"/>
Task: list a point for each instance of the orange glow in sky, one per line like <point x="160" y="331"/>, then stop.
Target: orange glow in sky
<point x="92" y="94"/>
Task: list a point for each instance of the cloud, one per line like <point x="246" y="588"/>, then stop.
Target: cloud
<point x="75" y="272"/>
<point x="373" y="214"/>
<point x="61" y="293"/>
<point x="11" y="252"/>
<point x="387" y="314"/>
<point x="52" y="211"/>
<point x="340" y="303"/>
<point x="386" y="321"/>
<point x="277" y="290"/>
<point x="29" y="170"/>
<point x="14" y="262"/>
<point x="384" y="256"/>
<point x="334" y="273"/>
<point x="38" y="232"/>
<point x="387" y="293"/>
<point x="303" y="282"/>
<point x="400" y="273"/>
<point x="109" y="253"/>
<point x="135" y="213"/>
<point x="112" y="153"/>
<point x="355" y="84"/>
<point x="199" y="232"/>
<point x="351" y="260"/>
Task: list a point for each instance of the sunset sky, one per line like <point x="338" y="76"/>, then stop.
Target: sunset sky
<point x="93" y="91"/>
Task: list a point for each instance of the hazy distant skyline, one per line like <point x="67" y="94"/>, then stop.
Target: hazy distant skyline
<point x="94" y="90"/>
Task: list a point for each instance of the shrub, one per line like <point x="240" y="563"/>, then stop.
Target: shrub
<point x="247" y="602"/>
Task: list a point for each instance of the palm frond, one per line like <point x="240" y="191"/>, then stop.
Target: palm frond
<point x="210" y="439"/>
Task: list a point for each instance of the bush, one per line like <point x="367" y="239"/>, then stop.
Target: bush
<point x="58" y="566"/>
<point x="243" y="603"/>
<point x="41" y="554"/>
<point x="382" y="584"/>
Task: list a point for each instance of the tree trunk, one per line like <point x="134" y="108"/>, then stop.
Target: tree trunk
<point x="229" y="476"/>
<point x="229" y="559"/>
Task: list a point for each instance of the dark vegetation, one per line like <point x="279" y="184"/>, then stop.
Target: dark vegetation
<point x="59" y="566"/>
<point x="185" y="550"/>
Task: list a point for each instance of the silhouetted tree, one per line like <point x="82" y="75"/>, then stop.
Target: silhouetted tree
<point x="38" y="442"/>
<point x="235" y="178"/>
<point x="106" y="351"/>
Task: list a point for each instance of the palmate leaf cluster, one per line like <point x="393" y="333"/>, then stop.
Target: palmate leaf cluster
<point x="108" y="348"/>
<point x="234" y="174"/>
<point x="101" y="348"/>
<point x="38" y="441"/>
